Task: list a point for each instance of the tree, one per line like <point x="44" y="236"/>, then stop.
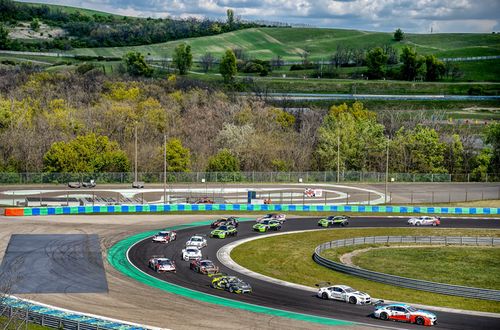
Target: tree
<point x="492" y="138"/>
<point x="86" y="154"/>
<point x="375" y="61"/>
<point x="361" y="139"/>
<point x="183" y="59"/>
<point x="136" y="65"/>
<point x="35" y="24"/>
<point x="178" y="157"/>
<point x="207" y="61"/>
<point x="223" y="161"/>
<point x="399" y="35"/>
<point x="412" y="64"/>
<point x="454" y="155"/>
<point x="4" y="37"/>
<point x="230" y="18"/>
<point x="227" y="66"/>
<point x="435" y="69"/>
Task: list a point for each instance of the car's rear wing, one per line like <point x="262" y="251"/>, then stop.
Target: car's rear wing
<point x="322" y="284"/>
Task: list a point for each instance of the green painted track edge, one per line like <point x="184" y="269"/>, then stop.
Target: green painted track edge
<point x="117" y="257"/>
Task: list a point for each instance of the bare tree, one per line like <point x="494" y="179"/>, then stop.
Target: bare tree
<point x="207" y="61"/>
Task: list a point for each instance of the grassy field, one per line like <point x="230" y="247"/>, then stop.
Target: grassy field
<point x="70" y="10"/>
<point x="468" y="266"/>
<point x="15" y="325"/>
<point x="287" y="257"/>
<point x="266" y="43"/>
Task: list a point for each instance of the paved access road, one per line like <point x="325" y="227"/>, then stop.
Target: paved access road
<point x="295" y="300"/>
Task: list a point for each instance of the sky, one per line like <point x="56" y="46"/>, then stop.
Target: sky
<point x="416" y="16"/>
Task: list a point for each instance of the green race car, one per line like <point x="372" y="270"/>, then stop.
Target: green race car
<point x="231" y="284"/>
<point x="337" y="220"/>
<point x="224" y="231"/>
<point x="266" y="225"/>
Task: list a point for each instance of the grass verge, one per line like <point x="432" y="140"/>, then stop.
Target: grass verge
<point x="17" y="324"/>
<point x="468" y="266"/>
<point x="288" y="258"/>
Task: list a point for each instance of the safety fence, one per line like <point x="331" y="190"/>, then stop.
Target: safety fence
<point x="243" y="177"/>
<point x="146" y="208"/>
<point x="448" y="289"/>
<point x="19" y="311"/>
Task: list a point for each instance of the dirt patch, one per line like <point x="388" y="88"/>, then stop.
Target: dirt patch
<point x="24" y="31"/>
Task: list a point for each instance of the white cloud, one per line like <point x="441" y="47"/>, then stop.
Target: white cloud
<point x="385" y="15"/>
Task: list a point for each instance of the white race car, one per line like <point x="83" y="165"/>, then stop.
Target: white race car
<point x="198" y="241"/>
<point x="161" y="264"/>
<point x="191" y="253"/>
<point x="424" y="221"/>
<point x="165" y="236"/>
<point x="344" y="293"/>
<point x="273" y="216"/>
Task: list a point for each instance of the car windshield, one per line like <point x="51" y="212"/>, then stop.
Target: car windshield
<point x="349" y="290"/>
<point x="162" y="234"/>
<point x="411" y="309"/>
<point x="164" y="262"/>
<point x="265" y="222"/>
<point x="196" y="239"/>
<point x="192" y="250"/>
<point x="207" y="264"/>
<point x="330" y="217"/>
<point x="223" y="228"/>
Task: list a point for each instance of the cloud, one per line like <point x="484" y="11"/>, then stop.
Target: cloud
<point x="384" y="15"/>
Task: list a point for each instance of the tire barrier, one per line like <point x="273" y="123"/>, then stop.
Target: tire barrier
<point x="32" y="312"/>
<point x="146" y="208"/>
<point x="448" y="289"/>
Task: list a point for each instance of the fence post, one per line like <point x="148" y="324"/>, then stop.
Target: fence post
<point x="433" y="197"/>
<point x="432" y="177"/>
<point x="411" y="198"/>
<point x="466" y="195"/>
<point x="369" y="198"/>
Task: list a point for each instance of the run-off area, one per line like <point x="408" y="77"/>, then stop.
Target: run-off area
<point x="62" y="263"/>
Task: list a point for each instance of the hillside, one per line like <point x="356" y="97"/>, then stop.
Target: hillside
<point x="266" y="43"/>
<point x="71" y="10"/>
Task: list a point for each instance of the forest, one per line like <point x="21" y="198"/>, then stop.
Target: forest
<point x="83" y="30"/>
<point x="72" y="122"/>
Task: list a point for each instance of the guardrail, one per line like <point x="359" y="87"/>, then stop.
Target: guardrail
<point x="26" y="311"/>
<point x="448" y="289"/>
<point x="146" y="208"/>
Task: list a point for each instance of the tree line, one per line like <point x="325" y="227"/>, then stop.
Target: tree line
<point x="86" y="122"/>
<point x="95" y="30"/>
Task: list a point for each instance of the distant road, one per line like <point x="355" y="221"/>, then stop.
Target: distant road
<point x="384" y="97"/>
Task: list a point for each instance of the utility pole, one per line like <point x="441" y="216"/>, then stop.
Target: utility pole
<point x="135" y="159"/>
<point x="338" y="157"/>
<point x="164" y="169"/>
<point x="386" y="171"/>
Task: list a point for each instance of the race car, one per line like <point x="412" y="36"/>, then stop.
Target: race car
<point x="344" y="293"/>
<point x="191" y="253"/>
<point x="225" y="221"/>
<point x="231" y="284"/>
<point x="273" y="216"/>
<point x="232" y="221"/>
<point x="424" y="221"/>
<point x="404" y="313"/>
<point x="161" y="264"/>
<point x="337" y="220"/>
<point x="203" y="266"/>
<point x="266" y="225"/>
<point x="165" y="236"/>
<point x="198" y="241"/>
<point x="224" y="231"/>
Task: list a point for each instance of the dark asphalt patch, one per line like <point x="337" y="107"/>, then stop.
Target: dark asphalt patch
<point x="62" y="263"/>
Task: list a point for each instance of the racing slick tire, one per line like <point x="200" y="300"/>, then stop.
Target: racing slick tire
<point x="345" y="224"/>
<point x="434" y="224"/>
<point x="324" y="295"/>
<point x="353" y="300"/>
<point x="384" y="316"/>
<point x="419" y="320"/>
<point x="417" y="223"/>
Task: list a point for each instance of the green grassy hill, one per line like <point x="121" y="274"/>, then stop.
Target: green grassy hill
<point x="265" y="43"/>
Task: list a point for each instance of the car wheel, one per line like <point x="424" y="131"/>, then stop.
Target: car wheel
<point x="346" y="223"/>
<point x="353" y="300"/>
<point x="384" y="316"/>
<point x="434" y="224"/>
<point x="231" y="289"/>
<point x="419" y="320"/>
<point x="324" y="295"/>
<point x="417" y="223"/>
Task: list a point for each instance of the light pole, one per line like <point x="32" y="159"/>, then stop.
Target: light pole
<point x="164" y="169"/>
<point x="386" y="170"/>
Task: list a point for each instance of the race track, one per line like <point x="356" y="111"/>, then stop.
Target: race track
<point x="271" y="295"/>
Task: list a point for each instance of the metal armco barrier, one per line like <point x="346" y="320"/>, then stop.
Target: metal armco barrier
<point x="146" y="208"/>
<point x="448" y="289"/>
<point x="23" y="311"/>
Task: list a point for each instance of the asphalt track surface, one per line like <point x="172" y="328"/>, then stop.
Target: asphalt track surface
<point x="295" y="300"/>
